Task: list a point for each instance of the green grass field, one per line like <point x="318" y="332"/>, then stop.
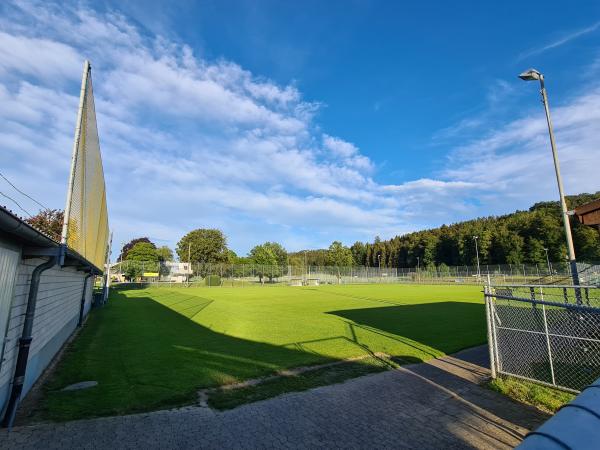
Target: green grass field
<point x="155" y="348"/>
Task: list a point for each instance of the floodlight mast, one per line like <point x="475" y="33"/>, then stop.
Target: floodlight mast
<point x="477" y="253"/>
<point x="534" y="75"/>
<point x="548" y="262"/>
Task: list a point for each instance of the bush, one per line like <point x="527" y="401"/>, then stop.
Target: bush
<point x="213" y="280"/>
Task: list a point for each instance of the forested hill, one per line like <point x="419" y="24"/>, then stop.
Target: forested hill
<point x="515" y="238"/>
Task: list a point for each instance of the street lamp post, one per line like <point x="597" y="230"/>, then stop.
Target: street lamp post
<point x="189" y="271"/>
<point x="379" y="260"/>
<point x="305" y="269"/>
<point x="531" y="75"/>
<point x="418" y="275"/>
<point x="120" y="262"/>
<point x="477" y="253"/>
<point x="548" y="262"/>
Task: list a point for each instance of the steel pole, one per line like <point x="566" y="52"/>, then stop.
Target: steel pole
<point x="477" y="254"/>
<point x="563" y="204"/>
<point x="107" y="271"/>
<point x="548" y="262"/>
<point x="65" y="228"/>
<point x="305" y="269"/>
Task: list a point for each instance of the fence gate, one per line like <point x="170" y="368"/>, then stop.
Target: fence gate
<point x="547" y="334"/>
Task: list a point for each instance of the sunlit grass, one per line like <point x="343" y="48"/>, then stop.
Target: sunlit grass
<point x="155" y="348"/>
<point x="542" y="397"/>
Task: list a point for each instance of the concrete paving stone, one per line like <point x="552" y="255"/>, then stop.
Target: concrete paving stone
<point x="438" y="404"/>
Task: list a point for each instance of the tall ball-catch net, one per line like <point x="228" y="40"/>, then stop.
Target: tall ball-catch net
<point x="85" y="228"/>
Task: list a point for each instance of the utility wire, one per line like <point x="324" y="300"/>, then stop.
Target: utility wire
<point x="21" y="192"/>
<point x="16" y="203"/>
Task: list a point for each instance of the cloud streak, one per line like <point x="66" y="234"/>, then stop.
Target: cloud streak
<point x="560" y="42"/>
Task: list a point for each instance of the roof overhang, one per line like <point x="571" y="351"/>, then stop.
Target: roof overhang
<point x="37" y="244"/>
<point x="589" y="214"/>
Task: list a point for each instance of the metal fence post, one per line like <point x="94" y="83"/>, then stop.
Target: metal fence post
<point x="548" y="344"/>
<point x="497" y="360"/>
<point x="489" y="317"/>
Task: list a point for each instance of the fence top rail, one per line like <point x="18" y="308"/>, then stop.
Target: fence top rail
<point x="566" y="305"/>
<point x="560" y="286"/>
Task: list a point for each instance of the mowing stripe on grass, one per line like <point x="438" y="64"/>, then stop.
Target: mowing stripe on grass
<point x="156" y="348"/>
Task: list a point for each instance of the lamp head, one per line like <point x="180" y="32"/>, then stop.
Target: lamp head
<point x="530" y="75"/>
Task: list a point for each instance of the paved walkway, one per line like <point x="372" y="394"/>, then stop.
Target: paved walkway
<point x="436" y="405"/>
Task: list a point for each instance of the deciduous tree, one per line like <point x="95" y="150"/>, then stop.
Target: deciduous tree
<point x="164" y="253"/>
<point x="203" y="246"/>
<point x="50" y="221"/>
<point x="130" y="244"/>
<point x="266" y="262"/>
<point x="339" y="256"/>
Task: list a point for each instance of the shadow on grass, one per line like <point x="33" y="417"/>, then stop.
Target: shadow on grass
<point x="444" y="326"/>
<point x="146" y="356"/>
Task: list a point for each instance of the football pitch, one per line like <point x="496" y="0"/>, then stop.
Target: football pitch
<point x="155" y="348"/>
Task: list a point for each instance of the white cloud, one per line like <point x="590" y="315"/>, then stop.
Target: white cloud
<point x="514" y="164"/>
<point x="339" y="147"/>
<point x="38" y="57"/>
<point x="347" y="152"/>
<point x="181" y="134"/>
<point x="189" y="142"/>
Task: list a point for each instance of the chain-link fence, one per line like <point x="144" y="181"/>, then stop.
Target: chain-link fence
<point x="547" y="334"/>
<point x="169" y="273"/>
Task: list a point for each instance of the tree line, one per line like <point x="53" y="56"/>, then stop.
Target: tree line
<point x="521" y="237"/>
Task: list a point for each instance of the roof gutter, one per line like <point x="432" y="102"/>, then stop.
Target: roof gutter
<point x="34" y="240"/>
<point x="12" y="224"/>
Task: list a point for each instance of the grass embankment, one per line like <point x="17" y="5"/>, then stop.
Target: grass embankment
<point x="542" y="397"/>
<point x="155" y="348"/>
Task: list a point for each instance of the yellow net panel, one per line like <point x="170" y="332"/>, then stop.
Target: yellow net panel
<point x="86" y="216"/>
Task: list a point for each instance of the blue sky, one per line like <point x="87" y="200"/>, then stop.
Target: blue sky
<point x="304" y="122"/>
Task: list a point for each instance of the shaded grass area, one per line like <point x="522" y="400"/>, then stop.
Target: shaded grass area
<point x="223" y="399"/>
<point x="155" y="348"/>
<point x="542" y="397"/>
<point x="421" y="323"/>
